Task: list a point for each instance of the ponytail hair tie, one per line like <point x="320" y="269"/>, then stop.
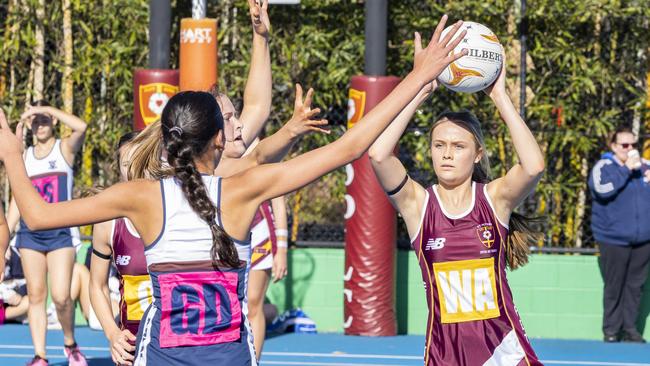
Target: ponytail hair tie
<point x="177" y="130"/>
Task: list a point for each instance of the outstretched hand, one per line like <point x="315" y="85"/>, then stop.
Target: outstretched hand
<point x="429" y="62"/>
<point x="260" y="16"/>
<point x="10" y="143"/>
<point x="301" y="122"/>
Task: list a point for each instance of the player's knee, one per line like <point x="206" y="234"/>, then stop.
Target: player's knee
<point x="36" y="294"/>
<point x="61" y="301"/>
<point x="255" y="308"/>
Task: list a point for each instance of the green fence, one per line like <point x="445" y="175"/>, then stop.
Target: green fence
<point x="557" y="296"/>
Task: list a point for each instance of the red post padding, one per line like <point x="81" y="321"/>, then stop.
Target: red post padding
<point x="152" y="88"/>
<point x="370" y="229"/>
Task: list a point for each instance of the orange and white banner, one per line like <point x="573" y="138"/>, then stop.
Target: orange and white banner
<point x="198" y="54"/>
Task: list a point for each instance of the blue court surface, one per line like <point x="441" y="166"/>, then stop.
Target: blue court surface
<point x="331" y="350"/>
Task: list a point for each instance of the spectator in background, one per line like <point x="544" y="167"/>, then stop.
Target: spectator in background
<point x="620" y="220"/>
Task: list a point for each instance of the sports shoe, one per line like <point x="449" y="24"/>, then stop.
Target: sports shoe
<point x="75" y="357"/>
<point x="38" y="361"/>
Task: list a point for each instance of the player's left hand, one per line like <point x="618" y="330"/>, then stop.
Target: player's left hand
<point x="301" y="122"/>
<point x="260" y="16"/>
<point x="279" y="270"/>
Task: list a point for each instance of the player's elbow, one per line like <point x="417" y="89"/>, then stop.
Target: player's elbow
<point x="537" y="169"/>
<point x="533" y="169"/>
<point x="376" y="156"/>
<point x="34" y="222"/>
<point x="32" y="225"/>
<point x="82" y="127"/>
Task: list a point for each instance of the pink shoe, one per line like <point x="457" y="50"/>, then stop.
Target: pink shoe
<point x="75" y="357"/>
<point x="37" y="361"/>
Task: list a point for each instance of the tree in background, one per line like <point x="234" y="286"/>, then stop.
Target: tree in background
<point x="587" y="68"/>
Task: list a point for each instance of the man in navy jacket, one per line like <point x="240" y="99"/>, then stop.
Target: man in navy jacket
<point x="620" y="221"/>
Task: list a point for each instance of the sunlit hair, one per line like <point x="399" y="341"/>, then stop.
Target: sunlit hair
<point x="521" y="234"/>
<point x="146" y="156"/>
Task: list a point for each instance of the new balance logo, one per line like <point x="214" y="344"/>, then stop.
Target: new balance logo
<point x="434" y="244"/>
<point x="123" y="260"/>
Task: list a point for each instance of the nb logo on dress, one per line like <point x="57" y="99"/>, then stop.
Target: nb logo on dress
<point x="123" y="260"/>
<point x="435" y="244"/>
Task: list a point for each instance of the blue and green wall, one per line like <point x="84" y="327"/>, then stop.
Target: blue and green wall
<point x="558" y="296"/>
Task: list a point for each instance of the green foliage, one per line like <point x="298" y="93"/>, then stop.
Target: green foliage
<point x="109" y="40"/>
<point x="588" y="59"/>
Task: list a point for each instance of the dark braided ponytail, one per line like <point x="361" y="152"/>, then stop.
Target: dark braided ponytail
<point x="190" y="120"/>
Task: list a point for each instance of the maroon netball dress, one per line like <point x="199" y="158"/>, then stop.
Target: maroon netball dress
<point x="135" y="285"/>
<point x="472" y="317"/>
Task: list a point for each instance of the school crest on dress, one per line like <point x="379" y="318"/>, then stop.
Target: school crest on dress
<point x="485" y="234"/>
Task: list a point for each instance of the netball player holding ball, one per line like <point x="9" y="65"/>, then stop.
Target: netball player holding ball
<point x="464" y="231"/>
<point x="193" y="221"/>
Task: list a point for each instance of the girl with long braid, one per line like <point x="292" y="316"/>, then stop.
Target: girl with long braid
<point x="138" y="157"/>
<point x="464" y="231"/>
<point x="193" y="221"/>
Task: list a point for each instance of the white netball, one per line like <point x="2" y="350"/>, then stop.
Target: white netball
<point x="480" y="67"/>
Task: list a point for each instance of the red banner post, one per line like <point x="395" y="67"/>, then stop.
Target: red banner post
<point x="370" y="229"/>
<point x="152" y="88"/>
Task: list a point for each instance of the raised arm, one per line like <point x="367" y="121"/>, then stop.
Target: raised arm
<point x="257" y="94"/>
<point x="100" y="294"/>
<point x="275" y="147"/>
<point x="242" y="196"/>
<point x="406" y="195"/>
<point x="71" y="144"/>
<point x="116" y="201"/>
<point x="510" y="190"/>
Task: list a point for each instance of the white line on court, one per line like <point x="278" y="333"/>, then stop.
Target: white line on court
<point x="20" y="346"/>
<point x="323" y="355"/>
<point x="396" y="357"/>
<point x="22" y="355"/>
<point x="592" y="363"/>
<point x="342" y="355"/>
<point x="323" y="363"/>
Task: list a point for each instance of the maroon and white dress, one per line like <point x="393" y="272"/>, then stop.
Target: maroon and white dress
<point x="263" y="239"/>
<point x="136" y="293"/>
<point x="472" y="317"/>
